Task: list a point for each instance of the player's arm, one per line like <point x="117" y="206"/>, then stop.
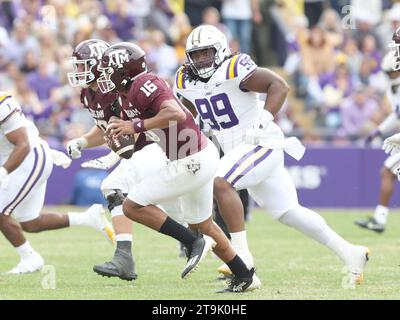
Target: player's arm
<point x="94" y="138"/>
<point x="19" y="139"/>
<point x="266" y="81"/>
<point x="91" y="139"/>
<point x="188" y="105"/>
<point x="170" y="113"/>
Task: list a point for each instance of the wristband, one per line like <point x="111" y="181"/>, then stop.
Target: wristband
<point x="138" y="126"/>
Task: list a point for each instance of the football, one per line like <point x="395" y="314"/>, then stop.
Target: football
<point x="123" y="146"/>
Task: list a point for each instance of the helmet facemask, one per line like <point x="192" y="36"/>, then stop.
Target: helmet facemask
<point x="104" y="82"/>
<point x="204" y="61"/>
<point x="395" y="47"/>
<point x="82" y="75"/>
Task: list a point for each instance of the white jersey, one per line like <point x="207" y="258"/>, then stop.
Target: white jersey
<point x="12" y="118"/>
<point x="222" y="102"/>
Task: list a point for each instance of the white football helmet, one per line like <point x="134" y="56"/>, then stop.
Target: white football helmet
<point x="202" y="38"/>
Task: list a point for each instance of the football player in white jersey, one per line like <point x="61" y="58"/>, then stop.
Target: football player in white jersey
<point x="26" y="162"/>
<point x="223" y="88"/>
<point x="377" y="223"/>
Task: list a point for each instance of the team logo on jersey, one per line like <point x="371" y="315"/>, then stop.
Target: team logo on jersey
<point x="97" y="49"/>
<point x="118" y="57"/>
<point x="193" y="166"/>
<point x="132" y="113"/>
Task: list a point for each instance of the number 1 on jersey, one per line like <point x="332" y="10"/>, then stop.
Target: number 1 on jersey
<point x="148" y="88"/>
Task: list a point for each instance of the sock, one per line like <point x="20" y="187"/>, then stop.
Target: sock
<point x="239" y="243"/>
<point x="77" y="219"/>
<point x="124" y="242"/>
<point x="175" y="230"/>
<point x="238" y="267"/>
<point x="25" y="250"/>
<point x="123" y="237"/>
<point x="314" y="226"/>
<point x="117" y="211"/>
<point x="381" y="214"/>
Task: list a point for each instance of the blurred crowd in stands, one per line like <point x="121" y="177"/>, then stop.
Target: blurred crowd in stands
<point x="329" y="51"/>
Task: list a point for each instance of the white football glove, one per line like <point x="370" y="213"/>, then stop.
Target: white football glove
<point x="391" y="145"/>
<point x="258" y="131"/>
<point x="3" y="174"/>
<point x="75" y="146"/>
<point x="104" y="163"/>
<point x="60" y="159"/>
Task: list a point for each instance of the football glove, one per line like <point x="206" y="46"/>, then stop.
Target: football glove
<point x="258" y="132"/>
<point x="391" y="145"/>
<point x="60" y="159"/>
<point x="104" y="163"/>
<point x="75" y="146"/>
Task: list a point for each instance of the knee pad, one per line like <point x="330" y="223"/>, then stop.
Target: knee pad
<point x="115" y="199"/>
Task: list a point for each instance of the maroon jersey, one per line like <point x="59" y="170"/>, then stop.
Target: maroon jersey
<point x="143" y="101"/>
<point x="102" y="106"/>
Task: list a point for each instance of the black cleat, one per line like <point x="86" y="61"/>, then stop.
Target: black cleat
<point x="239" y="285"/>
<point x="121" y="266"/>
<point x="182" y="251"/>
<point x="196" y="254"/>
<point x="370" y="224"/>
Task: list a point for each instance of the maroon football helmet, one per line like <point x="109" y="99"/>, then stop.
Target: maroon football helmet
<point x="395" y="46"/>
<point x="121" y="64"/>
<point x="84" y="60"/>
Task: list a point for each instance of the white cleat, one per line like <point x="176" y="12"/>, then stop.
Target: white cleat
<point x="356" y="264"/>
<point x="97" y="219"/>
<point x="28" y="265"/>
<point x="256" y="284"/>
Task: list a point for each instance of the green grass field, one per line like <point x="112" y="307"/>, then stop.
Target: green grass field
<point x="289" y="265"/>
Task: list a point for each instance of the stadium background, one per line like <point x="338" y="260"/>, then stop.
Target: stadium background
<point x="329" y="53"/>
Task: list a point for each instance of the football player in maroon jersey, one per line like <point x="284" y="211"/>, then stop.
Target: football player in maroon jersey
<point x="102" y="106"/>
<point x="152" y="108"/>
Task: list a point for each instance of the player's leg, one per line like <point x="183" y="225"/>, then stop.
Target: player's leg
<point x="30" y="260"/>
<point x="237" y="169"/>
<point x="115" y="188"/>
<point x="32" y="222"/>
<point x="388" y="177"/>
<point x="278" y="196"/>
<point x="174" y="210"/>
<point x="122" y="264"/>
<point x="197" y="207"/>
<point x="171" y="182"/>
<point x="14" y="195"/>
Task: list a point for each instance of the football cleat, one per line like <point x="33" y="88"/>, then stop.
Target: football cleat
<point x="239" y="285"/>
<point x="97" y="219"/>
<point x="196" y="253"/>
<point x="182" y="251"/>
<point x="370" y="224"/>
<point x="356" y="264"/>
<point x="121" y="266"/>
<point x="28" y="265"/>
